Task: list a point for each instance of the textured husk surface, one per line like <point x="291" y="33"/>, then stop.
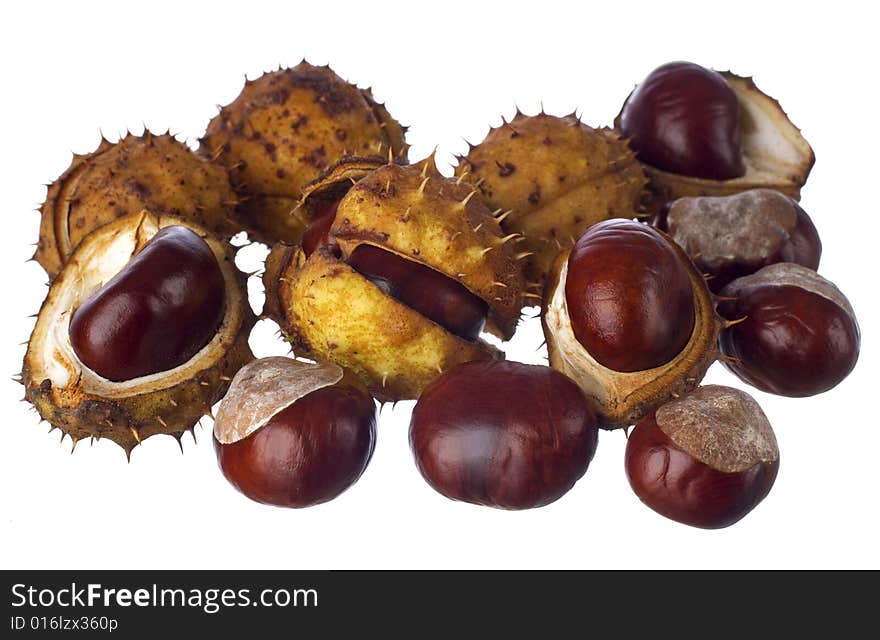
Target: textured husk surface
<point x="330" y="312"/>
<point x="153" y="172"/>
<point x="557" y="177"/>
<point x="748" y="226"/>
<point x="82" y="404"/>
<point x="420" y="215"/>
<point x="283" y="130"/>
<point x="335" y="182"/>
<point x="789" y="274"/>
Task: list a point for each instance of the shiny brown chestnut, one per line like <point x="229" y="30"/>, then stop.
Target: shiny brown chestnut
<point x="797" y="336"/>
<point x="317" y="234"/>
<point x="732" y="236"/>
<point x="639" y="302"/>
<point x="629" y="296"/>
<point x="434" y="295"/>
<point x="294" y="434"/>
<point x="705" y="459"/>
<point x="503" y="434"/>
<point x="684" y="119"/>
<point x="155" y="314"/>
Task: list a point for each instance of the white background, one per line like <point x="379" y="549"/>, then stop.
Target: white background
<point x="448" y="70"/>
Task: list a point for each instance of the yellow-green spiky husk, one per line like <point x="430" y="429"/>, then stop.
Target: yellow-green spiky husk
<point x="168" y="402"/>
<point x="283" y="130"/>
<point x="550" y="178"/>
<point x="154" y="172"/>
<point x="329" y="311"/>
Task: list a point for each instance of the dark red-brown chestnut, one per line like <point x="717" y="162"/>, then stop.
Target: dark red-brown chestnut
<point x="294" y="434"/>
<point x="433" y="294"/>
<point x="684" y="119"/>
<point x="317" y="234"/>
<point x="732" y="236"/>
<point x="797" y="336"/>
<point x="155" y="314"/>
<point x="629" y="296"/>
<point x="503" y="434"/>
<point x="705" y="459"/>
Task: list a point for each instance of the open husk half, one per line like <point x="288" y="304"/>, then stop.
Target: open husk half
<point x="622" y="398"/>
<point x="81" y="403"/>
<point x="775" y="154"/>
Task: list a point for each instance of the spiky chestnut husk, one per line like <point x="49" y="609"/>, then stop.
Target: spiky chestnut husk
<point x="552" y="178"/>
<point x="329" y="311"/>
<point x="623" y="398"/>
<point x="334" y="183"/>
<point x="775" y="154"/>
<point x="415" y="212"/>
<point x="283" y="130"/>
<point x="153" y="172"/>
<point x="81" y="403"/>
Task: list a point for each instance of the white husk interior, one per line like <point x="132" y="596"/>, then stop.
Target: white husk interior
<point x="769" y="141"/>
<point x="576" y="360"/>
<point x="91" y="266"/>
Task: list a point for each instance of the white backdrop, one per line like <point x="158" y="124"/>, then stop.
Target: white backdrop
<point x="448" y="70"/>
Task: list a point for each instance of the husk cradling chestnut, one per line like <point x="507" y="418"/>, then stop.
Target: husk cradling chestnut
<point x="81" y="403"/>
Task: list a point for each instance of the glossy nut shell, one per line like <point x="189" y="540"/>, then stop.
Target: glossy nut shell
<point x="503" y="434"/>
<point x="629" y="297"/>
<point x="82" y="403"/>
<point x="775" y="154"/>
<point x="794" y="333"/>
<point x="294" y="434"/>
<point x="623" y="398"/>
<point x="706" y="459"/>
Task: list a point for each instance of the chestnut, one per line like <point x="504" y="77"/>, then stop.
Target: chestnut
<point x="629" y="296"/>
<point x="705" y="459"/>
<point x="684" y="119"/>
<point x="434" y="295"/>
<point x="294" y="434"/>
<point x="156" y="313"/>
<point x="503" y="434"/>
<point x="797" y="334"/>
<point x="732" y="236"/>
<point x="317" y="234"/>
